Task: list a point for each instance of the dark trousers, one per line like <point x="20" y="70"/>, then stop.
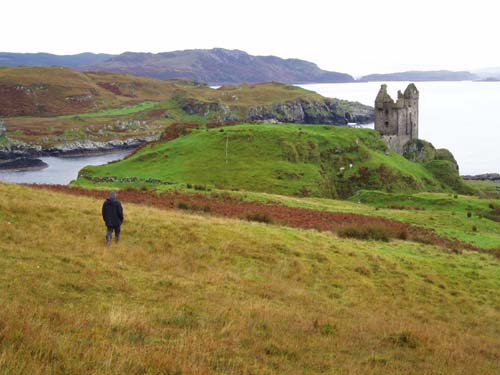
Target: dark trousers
<point x="109" y="234"/>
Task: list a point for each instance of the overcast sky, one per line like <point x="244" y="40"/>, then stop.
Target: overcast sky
<point x="353" y="36"/>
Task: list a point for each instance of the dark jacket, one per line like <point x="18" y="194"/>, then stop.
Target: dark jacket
<point x="112" y="213"/>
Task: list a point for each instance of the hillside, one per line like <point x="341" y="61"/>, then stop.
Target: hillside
<point x="216" y="66"/>
<point x="50" y="106"/>
<point x="421" y="76"/>
<point x="48" y="59"/>
<point x="219" y="66"/>
<point x="191" y="294"/>
<point x="295" y="160"/>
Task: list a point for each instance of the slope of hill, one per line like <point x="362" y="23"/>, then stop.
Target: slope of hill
<point x="419" y="76"/>
<point x="53" y="91"/>
<point x="219" y="67"/>
<point x="187" y="294"/>
<point x="48" y="59"/>
<point x="285" y="159"/>
<point x="47" y="106"/>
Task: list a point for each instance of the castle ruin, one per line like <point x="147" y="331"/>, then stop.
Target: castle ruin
<point x="397" y="122"/>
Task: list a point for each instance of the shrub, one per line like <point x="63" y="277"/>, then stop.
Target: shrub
<point x="378" y="232"/>
<point x="403" y="235"/>
<point x="201" y="187"/>
<point x="189" y="186"/>
<point x="327" y="329"/>
<point x="362" y="270"/>
<point x="469" y="214"/>
<point x="474" y="228"/>
<point x="405" y="339"/>
<point x="183" y="206"/>
<point x="259" y="217"/>
<point x="494" y="214"/>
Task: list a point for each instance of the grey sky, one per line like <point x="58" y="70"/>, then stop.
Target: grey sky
<point x="355" y="36"/>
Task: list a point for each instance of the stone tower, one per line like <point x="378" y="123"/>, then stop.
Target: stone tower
<point x="397" y="121"/>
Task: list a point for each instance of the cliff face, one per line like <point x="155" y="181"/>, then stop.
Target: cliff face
<point x="325" y="111"/>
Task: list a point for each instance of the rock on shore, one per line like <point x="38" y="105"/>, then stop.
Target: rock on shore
<point x="22" y="164"/>
<point x="16" y="150"/>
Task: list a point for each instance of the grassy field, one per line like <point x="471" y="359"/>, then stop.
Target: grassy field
<point x="486" y="188"/>
<point x="121" y="111"/>
<point x="193" y="294"/>
<point x="447" y="214"/>
<point x="300" y="160"/>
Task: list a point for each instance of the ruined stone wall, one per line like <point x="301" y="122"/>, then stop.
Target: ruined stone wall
<point x="397" y="121"/>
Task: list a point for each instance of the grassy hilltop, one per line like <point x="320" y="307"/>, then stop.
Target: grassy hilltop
<point x="298" y="160"/>
<point x="196" y="294"/>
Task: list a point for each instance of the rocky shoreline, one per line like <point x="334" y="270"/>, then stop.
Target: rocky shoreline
<point x="495" y="177"/>
<point x="16" y="156"/>
<point x="16" y="150"/>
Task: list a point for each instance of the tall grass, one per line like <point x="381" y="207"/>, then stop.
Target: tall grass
<point x="188" y="294"/>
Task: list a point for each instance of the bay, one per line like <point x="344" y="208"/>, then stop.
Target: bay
<point x="60" y="170"/>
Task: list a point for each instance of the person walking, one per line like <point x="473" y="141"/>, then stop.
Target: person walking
<point x="112" y="213"/>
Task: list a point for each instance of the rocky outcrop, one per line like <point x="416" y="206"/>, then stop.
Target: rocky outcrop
<point x="78" y="148"/>
<point x="421" y="151"/>
<point x="86" y="147"/>
<point x="217" y="110"/>
<point x="327" y="111"/>
<point x="22" y="164"/>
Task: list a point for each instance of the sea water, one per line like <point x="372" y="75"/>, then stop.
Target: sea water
<point x="459" y="116"/>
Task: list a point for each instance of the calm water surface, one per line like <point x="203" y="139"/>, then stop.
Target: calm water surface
<point x="463" y="117"/>
<point x="60" y="170"/>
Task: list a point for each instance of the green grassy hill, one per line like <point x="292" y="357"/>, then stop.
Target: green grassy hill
<point x="193" y="294"/>
<point x="301" y="160"/>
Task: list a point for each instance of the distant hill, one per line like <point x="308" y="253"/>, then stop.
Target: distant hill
<point x="214" y="66"/>
<point x="47" y="59"/>
<point x="219" y="66"/>
<point x="419" y="76"/>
